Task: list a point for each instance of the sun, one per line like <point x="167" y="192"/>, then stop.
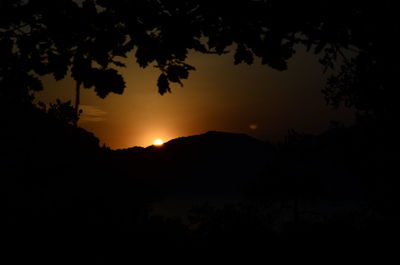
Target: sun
<point x="158" y="142"/>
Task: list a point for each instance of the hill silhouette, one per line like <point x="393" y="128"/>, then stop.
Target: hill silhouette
<point x="213" y="163"/>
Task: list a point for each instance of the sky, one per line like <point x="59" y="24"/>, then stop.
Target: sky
<point x="218" y="96"/>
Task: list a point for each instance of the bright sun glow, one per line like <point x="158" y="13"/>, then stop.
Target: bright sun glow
<point x="158" y="142"/>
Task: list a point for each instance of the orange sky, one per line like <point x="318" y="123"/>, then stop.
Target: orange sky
<point x="256" y="100"/>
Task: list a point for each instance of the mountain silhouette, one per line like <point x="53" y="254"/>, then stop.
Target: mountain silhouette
<point x="213" y="163"/>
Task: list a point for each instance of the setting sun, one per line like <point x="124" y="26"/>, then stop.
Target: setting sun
<point x="158" y="142"/>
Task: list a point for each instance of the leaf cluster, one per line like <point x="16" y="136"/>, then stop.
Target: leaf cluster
<point x="89" y="38"/>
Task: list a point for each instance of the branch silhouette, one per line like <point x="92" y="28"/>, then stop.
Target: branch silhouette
<point x="40" y="38"/>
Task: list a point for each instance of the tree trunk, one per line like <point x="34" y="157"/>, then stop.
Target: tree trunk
<point x="77" y="101"/>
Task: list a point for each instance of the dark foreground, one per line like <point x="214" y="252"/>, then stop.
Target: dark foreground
<point x="67" y="199"/>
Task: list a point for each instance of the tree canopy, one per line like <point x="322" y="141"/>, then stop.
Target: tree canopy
<point x="87" y="39"/>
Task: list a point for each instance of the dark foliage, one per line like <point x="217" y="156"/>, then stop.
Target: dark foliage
<point x="42" y="37"/>
<point x="62" y="111"/>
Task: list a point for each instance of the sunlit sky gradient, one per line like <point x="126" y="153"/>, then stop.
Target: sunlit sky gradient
<point x="256" y="100"/>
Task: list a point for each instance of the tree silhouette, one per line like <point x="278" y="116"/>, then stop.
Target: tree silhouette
<point x="86" y="39"/>
<point x="62" y="111"/>
<point x="367" y="81"/>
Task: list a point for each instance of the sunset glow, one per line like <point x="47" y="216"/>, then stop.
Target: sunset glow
<point x="158" y="142"/>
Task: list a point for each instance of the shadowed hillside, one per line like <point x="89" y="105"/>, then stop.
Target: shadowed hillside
<point x="214" y="163"/>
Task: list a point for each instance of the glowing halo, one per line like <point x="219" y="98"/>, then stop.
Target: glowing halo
<point x="158" y="142"/>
